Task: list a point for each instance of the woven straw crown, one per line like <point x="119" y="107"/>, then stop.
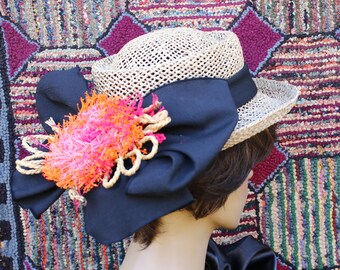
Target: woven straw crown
<point x="174" y="54"/>
<point x="165" y="56"/>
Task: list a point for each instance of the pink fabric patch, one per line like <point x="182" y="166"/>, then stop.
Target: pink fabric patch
<point x="125" y="29"/>
<point x="281" y="266"/>
<point x="258" y="39"/>
<point x="19" y="48"/>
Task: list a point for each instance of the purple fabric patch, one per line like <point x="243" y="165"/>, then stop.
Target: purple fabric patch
<point x="280" y="265"/>
<point x="18" y="48"/>
<point x="122" y="31"/>
<point x="258" y="39"/>
<point x="29" y="265"/>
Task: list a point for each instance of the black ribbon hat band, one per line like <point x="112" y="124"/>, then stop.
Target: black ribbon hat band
<point x="203" y="113"/>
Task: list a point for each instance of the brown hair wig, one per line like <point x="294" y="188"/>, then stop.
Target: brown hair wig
<point x="224" y="175"/>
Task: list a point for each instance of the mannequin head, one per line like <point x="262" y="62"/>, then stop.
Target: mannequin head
<point x="221" y="190"/>
<point x="183" y="94"/>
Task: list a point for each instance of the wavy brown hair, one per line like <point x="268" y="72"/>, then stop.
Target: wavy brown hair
<point x="224" y="175"/>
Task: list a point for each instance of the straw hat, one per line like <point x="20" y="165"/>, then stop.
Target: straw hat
<point x="174" y="54"/>
<point x="211" y="103"/>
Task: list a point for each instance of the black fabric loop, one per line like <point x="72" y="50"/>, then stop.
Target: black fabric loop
<point x="58" y="94"/>
<point x="245" y="254"/>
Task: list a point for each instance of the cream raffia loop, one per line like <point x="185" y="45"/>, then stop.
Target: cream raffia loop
<point x="74" y="195"/>
<point x="153" y="124"/>
<point x="32" y="164"/>
<point x="139" y="156"/>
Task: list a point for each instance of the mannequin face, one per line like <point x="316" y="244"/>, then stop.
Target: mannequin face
<point x="228" y="216"/>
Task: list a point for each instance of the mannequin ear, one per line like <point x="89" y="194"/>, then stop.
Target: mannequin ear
<point x="194" y="136"/>
<point x="58" y="94"/>
<point x="34" y="192"/>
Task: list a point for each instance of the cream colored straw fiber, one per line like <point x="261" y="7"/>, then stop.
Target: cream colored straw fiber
<point x="173" y="54"/>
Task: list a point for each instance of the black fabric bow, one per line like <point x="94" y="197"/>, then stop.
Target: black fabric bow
<point x="203" y="113"/>
<point x="245" y="254"/>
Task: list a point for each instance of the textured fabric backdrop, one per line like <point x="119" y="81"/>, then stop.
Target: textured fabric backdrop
<point x="293" y="204"/>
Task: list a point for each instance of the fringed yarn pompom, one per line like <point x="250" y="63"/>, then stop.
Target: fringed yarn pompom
<point x="85" y="148"/>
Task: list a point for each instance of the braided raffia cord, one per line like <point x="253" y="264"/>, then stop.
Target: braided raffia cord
<point x="151" y="119"/>
<point x="75" y="196"/>
<point x="33" y="163"/>
<point x="154" y="123"/>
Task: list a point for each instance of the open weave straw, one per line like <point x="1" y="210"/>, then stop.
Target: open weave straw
<point x="173" y="54"/>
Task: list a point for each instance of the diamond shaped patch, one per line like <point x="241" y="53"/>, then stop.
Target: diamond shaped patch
<point x="258" y="39"/>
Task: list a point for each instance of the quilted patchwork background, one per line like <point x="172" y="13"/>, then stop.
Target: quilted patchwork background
<point x="294" y="199"/>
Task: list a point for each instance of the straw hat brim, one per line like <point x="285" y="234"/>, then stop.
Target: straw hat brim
<point x="272" y="102"/>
